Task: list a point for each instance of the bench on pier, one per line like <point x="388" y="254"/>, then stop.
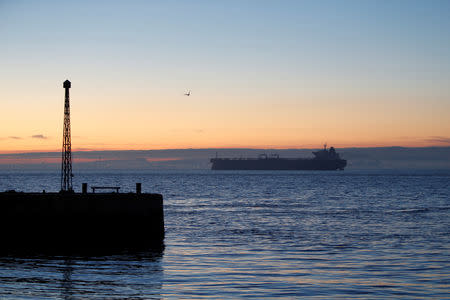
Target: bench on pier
<point x="117" y="188"/>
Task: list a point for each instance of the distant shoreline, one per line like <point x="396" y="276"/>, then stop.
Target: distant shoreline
<point x="375" y="158"/>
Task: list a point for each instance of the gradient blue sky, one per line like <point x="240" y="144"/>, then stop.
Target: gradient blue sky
<point x="262" y="73"/>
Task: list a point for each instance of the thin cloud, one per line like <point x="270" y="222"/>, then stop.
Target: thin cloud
<point x="39" y="136"/>
<point x="439" y="139"/>
<point x="83" y="149"/>
<point x="15" y="137"/>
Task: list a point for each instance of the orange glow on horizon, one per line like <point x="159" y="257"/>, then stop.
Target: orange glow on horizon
<point x="5" y="160"/>
<point x="247" y="120"/>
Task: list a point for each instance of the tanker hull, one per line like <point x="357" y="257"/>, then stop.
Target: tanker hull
<point x="277" y="164"/>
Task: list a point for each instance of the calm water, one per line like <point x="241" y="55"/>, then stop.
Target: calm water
<point x="260" y="234"/>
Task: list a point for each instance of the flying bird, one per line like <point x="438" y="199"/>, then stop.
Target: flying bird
<point x="188" y="93"/>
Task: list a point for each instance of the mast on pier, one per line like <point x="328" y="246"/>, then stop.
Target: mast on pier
<point x="66" y="165"/>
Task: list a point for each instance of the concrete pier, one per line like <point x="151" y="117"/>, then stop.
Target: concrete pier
<point x="80" y="220"/>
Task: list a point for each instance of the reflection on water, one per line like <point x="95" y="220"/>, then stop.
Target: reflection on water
<point x="121" y="275"/>
<point x="66" y="283"/>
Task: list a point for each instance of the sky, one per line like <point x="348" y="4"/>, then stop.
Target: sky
<point x="262" y="74"/>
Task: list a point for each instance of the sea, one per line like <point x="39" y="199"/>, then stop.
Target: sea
<point x="257" y="234"/>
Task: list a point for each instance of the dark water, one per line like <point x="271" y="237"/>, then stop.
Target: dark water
<point x="260" y="234"/>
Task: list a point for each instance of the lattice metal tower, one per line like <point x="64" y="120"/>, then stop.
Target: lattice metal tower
<point x="66" y="165"/>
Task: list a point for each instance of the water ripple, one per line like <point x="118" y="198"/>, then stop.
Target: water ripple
<point x="286" y="235"/>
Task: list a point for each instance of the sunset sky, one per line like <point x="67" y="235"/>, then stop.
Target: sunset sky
<point x="263" y="74"/>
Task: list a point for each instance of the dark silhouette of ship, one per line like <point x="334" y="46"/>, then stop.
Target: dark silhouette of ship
<point x="325" y="159"/>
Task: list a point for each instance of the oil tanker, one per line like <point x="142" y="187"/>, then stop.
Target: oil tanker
<point x="325" y="159"/>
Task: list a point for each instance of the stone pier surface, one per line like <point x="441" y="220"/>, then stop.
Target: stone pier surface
<point x="86" y="220"/>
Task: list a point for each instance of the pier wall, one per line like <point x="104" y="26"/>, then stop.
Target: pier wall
<point x="81" y="220"/>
